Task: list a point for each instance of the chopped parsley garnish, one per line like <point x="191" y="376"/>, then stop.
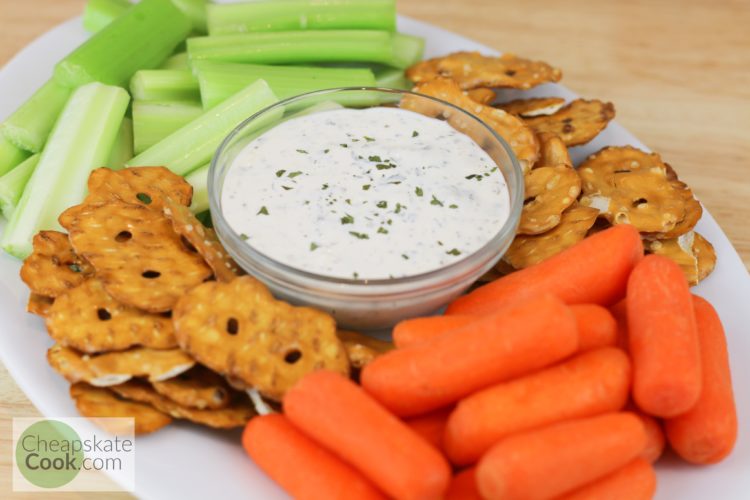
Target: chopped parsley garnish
<point x="292" y="175"/>
<point x="375" y="158"/>
<point x="382" y="204"/>
<point x="324" y="187"/>
<point x="474" y="176"/>
<point x="404" y="256"/>
<point x="369" y="139"/>
<point x="395" y="182"/>
<point x="454" y="251"/>
<point x="287" y="188"/>
<point x="344" y="145"/>
<point x="302" y="151"/>
<point x="355" y="140"/>
<point x="359" y="236"/>
<point x="263" y="211"/>
<point x="75" y="268"/>
<point x="382" y="230"/>
<point x="435" y="201"/>
<point x="453" y="206"/>
<point x="356" y="275"/>
<point x="348" y="201"/>
<point x="244" y="237"/>
<point x="389" y="222"/>
<point x="365" y="187"/>
<point x="325" y="151"/>
<point x="314" y="246"/>
<point x="440" y="243"/>
<point x="347" y="219"/>
<point x="399" y="206"/>
<point x="144" y="198"/>
<point x="385" y="166"/>
<point x="419" y="191"/>
<point x="414" y="134"/>
<point x="279" y="173"/>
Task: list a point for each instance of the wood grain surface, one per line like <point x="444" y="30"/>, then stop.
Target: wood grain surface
<point x="677" y="71"/>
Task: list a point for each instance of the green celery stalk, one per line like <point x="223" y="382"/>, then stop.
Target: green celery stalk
<point x="155" y="120"/>
<point x="13" y="183"/>
<point x="391" y="78"/>
<point x="195" y="10"/>
<point x="199" y="180"/>
<point x="176" y="61"/>
<point x="29" y="126"/>
<point x="289" y="15"/>
<point x="194" y="144"/>
<point x="142" y="38"/>
<point x="81" y="141"/>
<point x="10" y="155"/>
<point x="219" y="81"/>
<point x="292" y="47"/>
<point x="164" y="85"/>
<point x="99" y="13"/>
<point x="122" y="149"/>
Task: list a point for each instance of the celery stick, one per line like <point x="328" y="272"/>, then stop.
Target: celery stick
<point x="122" y="149"/>
<point x="288" y="15"/>
<point x="195" y="10"/>
<point x="199" y="180"/>
<point x="155" y="120"/>
<point x="218" y="81"/>
<point x="164" y="85"/>
<point x="391" y="78"/>
<point x="10" y="155"/>
<point x="99" y="13"/>
<point x="176" y="61"/>
<point x="291" y="47"/>
<point x="81" y="141"/>
<point x="142" y="38"/>
<point x="12" y="184"/>
<point x="193" y="145"/>
<point x="29" y="126"/>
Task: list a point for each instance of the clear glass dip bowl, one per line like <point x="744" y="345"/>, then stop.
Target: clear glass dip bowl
<point x="358" y="303"/>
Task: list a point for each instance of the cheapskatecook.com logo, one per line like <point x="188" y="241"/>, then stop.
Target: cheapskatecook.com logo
<point x="73" y="455"/>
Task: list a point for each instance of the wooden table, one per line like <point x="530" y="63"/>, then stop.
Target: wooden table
<point x="677" y="71"/>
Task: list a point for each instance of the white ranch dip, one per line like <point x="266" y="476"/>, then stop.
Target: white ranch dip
<point x="366" y="194"/>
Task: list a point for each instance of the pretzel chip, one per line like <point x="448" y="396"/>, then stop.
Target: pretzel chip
<point x="691" y="251"/>
<point x="203" y="239"/>
<point x="553" y="151"/>
<point x="548" y="192"/>
<point x="53" y="267"/>
<point x="94" y="402"/>
<point x="362" y="349"/>
<point x="136" y="253"/>
<point x="90" y="320"/>
<point x="534" y="106"/>
<point x="473" y="70"/>
<point x="515" y="132"/>
<point x="693" y="208"/>
<point x="481" y="95"/>
<point x="235" y="415"/>
<point x="575" y="223"/>
<point x="630" y="186"/>
<point x="112" y="368"/>
<point x="39" y="304"/>
<point x="198" y="388"/>
<point x="240" y="331"/>
<point x="577" y="123"/>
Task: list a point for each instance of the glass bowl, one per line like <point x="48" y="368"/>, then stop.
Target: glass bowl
<point x="358" y="303"/>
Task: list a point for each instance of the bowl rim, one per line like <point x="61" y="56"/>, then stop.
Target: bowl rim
<point x="516" y="196"/>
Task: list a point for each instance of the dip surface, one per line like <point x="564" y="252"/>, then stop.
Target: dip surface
<point x="365" y="194"/>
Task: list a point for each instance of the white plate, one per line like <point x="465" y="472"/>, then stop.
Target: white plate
<point x="186" y="461"/>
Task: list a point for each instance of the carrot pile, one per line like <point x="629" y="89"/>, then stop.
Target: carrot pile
<point x="561" y="381"/>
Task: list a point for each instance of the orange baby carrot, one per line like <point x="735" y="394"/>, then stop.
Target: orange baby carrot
<point x="431" y="375"/>
<point x="708" y="431"/>
<point x="635" y="481"/>
<point x="591" y="383"/>
<point x="431" y="426"/>
<point x="662" y="338"/>
<point x="655" y="440"/>
<point x="557" y="459"/>
<point x="595" y="271"/>
<point x="299" y="465"/>
<point x="464" y="486"/>
<point x="596" y="326"/>
<point x="413" y="331"/>
<point x="338" y="414"/>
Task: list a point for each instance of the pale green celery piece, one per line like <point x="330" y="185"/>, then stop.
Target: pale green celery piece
<point x="199" y="180"/>
<point x="164" y="85"/>
<point x="155" y="120"/>
<point x="81" y="141"/>
<point x="195" y="10"/>
<point x="10" y="155"/>
<point x="294" y="47"/>
<point x="176" y="61"/>
<point x="13" y="183"/>
<point x="218" y="81"/>
<point x="99" y="13"/>
<point x="29" y="126"/>
<point x="392" y="78"/>
<point x="142" y="38"/>
<point x="289" y="15"/>
<point x="193" y="145"/>
<point x="122" y="149"/>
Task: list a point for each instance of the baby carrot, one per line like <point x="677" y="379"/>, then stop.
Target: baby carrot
<point x="591" y="383"/>
<point x="299" y="465"/>
<point x="338" y="414"/>
<point x="431" y="426"/>
<point x="708" y="431"/>
<point x="655" y="440"/>
<point x="557" y="459"/>
<point x="464" y="486"/>
<point x="413" y="331"/>
<point x="431" y="375"/>
<point x="594" y="271"/>
<point x="635" y="481"/>
<point x="662" y="338"/>
<point x="596" y="326"/>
